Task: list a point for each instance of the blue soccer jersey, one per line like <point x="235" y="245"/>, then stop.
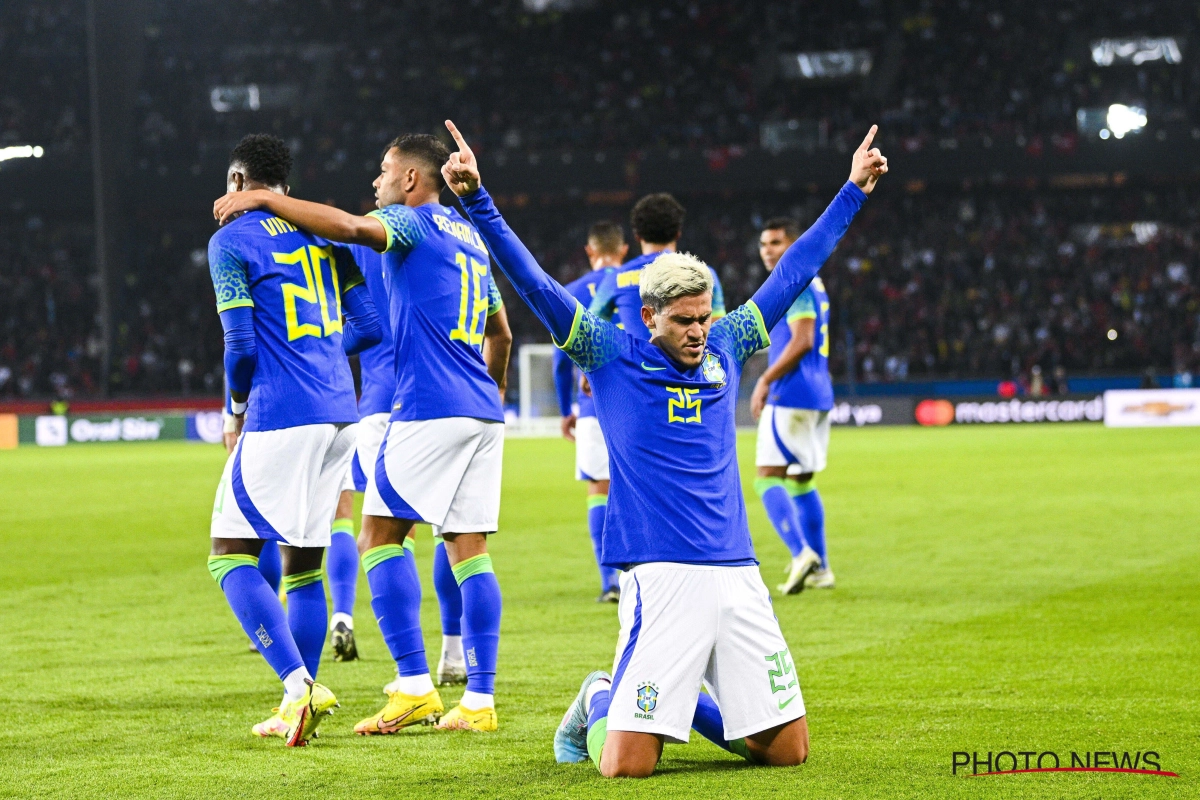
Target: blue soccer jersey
<point x="566" y="377"/>
<point x="377" y="368"/>
<point x="620" y="293"/>
<point x="809" y="384"/>
<point x="437" y="279"/>
<point x="676" y="493"/>
<point x="294" y="282"/>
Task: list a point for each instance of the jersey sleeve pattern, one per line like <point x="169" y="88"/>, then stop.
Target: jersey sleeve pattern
<point x="718" y="296"/>
<point x="740" y="333"/>
<point x="495" y="301"/>
<point x="593" y="342"/>
<point x="349" y="275"/>
<point x="405" y="228"/>
<point x="803" y="308"/>
<point x="230" y="281"/>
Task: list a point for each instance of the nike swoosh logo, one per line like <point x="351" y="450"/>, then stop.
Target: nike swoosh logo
<point x="651" y="369"/>
<point x="393" y="724"/>
<point x="784" y="703"/>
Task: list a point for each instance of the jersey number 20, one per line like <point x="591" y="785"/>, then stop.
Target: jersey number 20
<point x="471" y="312"/>
<point x="313" y="291"/>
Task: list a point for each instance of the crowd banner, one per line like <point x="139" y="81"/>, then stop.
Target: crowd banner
<point x="1151" y="408"/>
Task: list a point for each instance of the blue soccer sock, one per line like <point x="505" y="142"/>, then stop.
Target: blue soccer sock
<point x="258" y="609"/>
<point x="782" y="512"/>
<point x="481" y="621"/>
<point x="812" y="515"/>
<point x="307" y="615"/>
<point x="449" y="595"/>
<point x="341" y="562"/>
<point x="270" y="564"/>
<point x="708" y="723"/>
<point x="597" y="723"/>
<point x="597" y="505"/>
<point x="396" y="601"/>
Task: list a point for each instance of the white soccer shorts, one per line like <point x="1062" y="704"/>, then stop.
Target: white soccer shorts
<point x="591" y="453"/>
<point x="685" y="624"/>
<point x="284" y="484"/>
<point x="795" y="437"/>
<point x="442" y="471"/>
<point x="370" y="435"/>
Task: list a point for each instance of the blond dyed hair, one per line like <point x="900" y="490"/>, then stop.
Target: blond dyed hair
<point x="671" y="276"/>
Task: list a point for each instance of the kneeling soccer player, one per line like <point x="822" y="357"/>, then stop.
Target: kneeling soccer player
<point x="693" y="607"/>
<point x="293" y="397"/>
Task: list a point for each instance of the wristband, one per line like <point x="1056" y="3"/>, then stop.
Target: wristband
<point x="228" y="422"/>
<point x="238" y="408"/>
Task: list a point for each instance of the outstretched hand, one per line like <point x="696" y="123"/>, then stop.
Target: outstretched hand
<point x="234" y="204"/>
<point x="462" y="170"/>
<point x="869" y="164"/>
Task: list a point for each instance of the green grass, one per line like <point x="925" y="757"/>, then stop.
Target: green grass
<point x="1027" y="588"/>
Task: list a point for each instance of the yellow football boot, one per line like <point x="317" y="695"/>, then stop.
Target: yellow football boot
<point x="461" y="718"/>
<point x="274" y="726"/>
<point x="402" y="710"/>
<point x="302" y="716"/>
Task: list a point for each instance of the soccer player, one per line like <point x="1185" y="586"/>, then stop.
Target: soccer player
<point x="657" y="221"/>
<point x="791" y="402"/>
<point x="378" y="373"/>
<point x="442" y="453"/>
<point x="281" y="294"/>
<point x="693" y="605"/>
<point x="605" y="250"/>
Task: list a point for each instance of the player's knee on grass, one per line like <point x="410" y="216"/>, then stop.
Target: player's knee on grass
<point x="782" y="746"/>
<point x="301" y="559"/>
<point x="237" y="547"/>
<point x="629" y="754"/>
<point x="378" y="531"/>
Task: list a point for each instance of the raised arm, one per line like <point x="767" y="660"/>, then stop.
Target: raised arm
<point x="322" y="220"/>
<point x="804" y="258"/>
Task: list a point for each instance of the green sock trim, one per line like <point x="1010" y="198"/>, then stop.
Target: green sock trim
<point x="595" y="740"/>
<point x="343" y="525"/>
<point x="738" y="746"/>
<point x="301" y="579"/>
<point x="761" y="485"/>
<point x="475" y="565"/>
<point x="377" y="555"/>
<point x="410" y="544"/>
<point x="796" y="488"/>
<point x="220" y="566"/>
<point x="595" y="500"/>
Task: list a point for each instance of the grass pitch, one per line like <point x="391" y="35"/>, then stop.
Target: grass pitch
<point x="1018" y="589"/>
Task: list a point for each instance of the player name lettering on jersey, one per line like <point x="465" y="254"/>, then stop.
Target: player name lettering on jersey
<point x="276" y="226"/>
<point x="631" y="278"/>
<point x="460" y="231"/>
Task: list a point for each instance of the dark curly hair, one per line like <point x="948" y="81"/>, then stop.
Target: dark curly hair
<point x="428" y="150"/>
<point x="657" y="218"/>
<point x="789" y="226"/>
<point x="264" y="158"/>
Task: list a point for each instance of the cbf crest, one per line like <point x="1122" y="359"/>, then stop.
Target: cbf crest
<point x="712" y="370"/>
<point x="647" y="700"/>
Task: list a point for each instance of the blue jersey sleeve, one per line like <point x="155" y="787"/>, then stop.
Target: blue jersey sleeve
<point x="741" y="334"/>
<point x="405" y="228"/>
<point x="241" y="347"/>
<point x="346" y="266"/>
<point x="230" y="278"/>
<point x="718" y="296"/>
<point x="495" y="301"/>
<point x="604" y="301"/>
<point x="564" y="379"/>
<point x="804" y="307"/>
<point x="804" y="258"/>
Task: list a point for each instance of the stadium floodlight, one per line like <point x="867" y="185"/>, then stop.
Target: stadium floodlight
<point x="21" y="151"/>
<point x="1136" y="51"/>
<point x="830" y="65"/>
<point x="1124" y="119"/>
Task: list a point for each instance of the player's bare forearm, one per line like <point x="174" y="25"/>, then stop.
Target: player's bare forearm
<point x="318" y="218"/>
<point x="497" y="346"/>
<point x="803" y="338"/>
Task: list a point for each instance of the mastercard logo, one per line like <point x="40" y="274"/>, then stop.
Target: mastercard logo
<point x="935" y="412"/>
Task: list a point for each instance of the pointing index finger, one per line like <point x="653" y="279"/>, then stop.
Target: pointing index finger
<point x="866" y="144"/>
<point x="462" y="143"/>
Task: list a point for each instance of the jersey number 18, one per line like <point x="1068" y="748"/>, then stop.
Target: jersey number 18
<point x="475" y="275"/>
